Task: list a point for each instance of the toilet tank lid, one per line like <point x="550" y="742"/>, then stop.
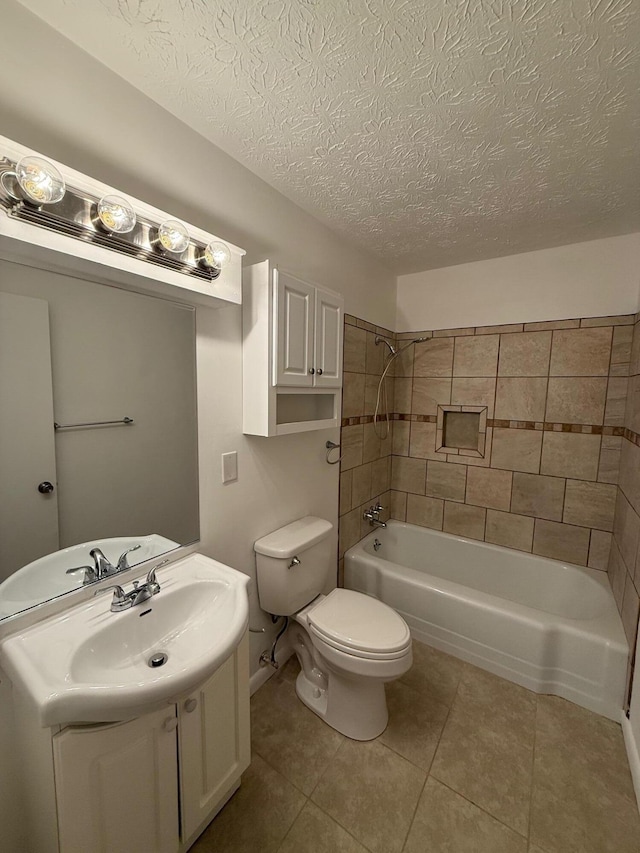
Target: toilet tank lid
<point x="294" y="538"/>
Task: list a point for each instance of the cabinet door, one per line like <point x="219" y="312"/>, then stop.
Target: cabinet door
<point x="214" y="740"/>
<point x="293" y="338"/>
<point x="328" y="340"/>
<point x="117" y="786"/>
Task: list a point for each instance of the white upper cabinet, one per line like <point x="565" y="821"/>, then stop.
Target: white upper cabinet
<point x="292" y="353"/>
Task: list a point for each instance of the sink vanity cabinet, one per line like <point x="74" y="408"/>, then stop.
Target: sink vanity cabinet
<point x="150" y="784"/>
<point x="292" y="353"/>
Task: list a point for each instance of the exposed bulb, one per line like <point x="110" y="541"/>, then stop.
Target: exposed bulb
<point x="40" y="180"/>
<point x="217" y="255"/>
<point x="173" y="236"/>
<point x="116" y="214"/>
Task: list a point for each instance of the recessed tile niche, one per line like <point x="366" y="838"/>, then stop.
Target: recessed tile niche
<point x="461" y="430"/>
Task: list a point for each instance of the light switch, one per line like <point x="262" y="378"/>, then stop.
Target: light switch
<point x="229" y="466"/>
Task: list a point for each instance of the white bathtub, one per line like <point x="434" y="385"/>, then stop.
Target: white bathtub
<point x="549" y="626"/>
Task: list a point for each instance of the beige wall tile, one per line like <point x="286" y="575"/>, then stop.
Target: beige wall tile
<point x="632" y="405"/>
<point x="474" y="392"/>
<point x="489" y="487"/>
<point x="400" y="440"/>
<point x="526" y="354"/>
<point x="634" y="366"/>
<point x="380" y="475"/>
<point x="449" y="333"/>
<point x="617" y="574"/>
<point x="353" y="395"/>
<point x="626" y="529"/>
<point x="630" y="609"/>
<point x="499" y="330"/>
<point x="428" y="394"/>
<point x="464" y="520"/>
<point x="355" y="349"/>
<point x="599" y="548"/>
<point x="361" y="484"/>
<point x="476" y="356"/>
<point x="398" y="507"/>
<point x="371" y="393"/>
<point x="351" y="441"/>
<point x="611" y="320"/>
<point x="629" y="479"/>
<point x="475" y="461"/>
<point x="445" y="480"/>
<point x="589" y="504"/>
<point x="349" y="532"/>
<point x="561" y="542"/>
<point x="567" y="454"/>
<point x="346" y="480"/>
<point x="616" y="401"/>
<point x="403" y="364"/>
<point x="552" y="324"/>
<point x="610" y="449"/>
<point x="423" y="441"/>
<point x="539" y="496"/>
<point x="576" y="400"/>
<point x="621" y="348"/>
<point x="434" y="358"/>
<point x="374" y="356"/>
<point x="509" y="530"/>
<point x="401" y="396"/>
<point x="521" y="399"/>
<point x="517" y="449"/>
<point x="371" y="442"/>
<point x="581" y="352"/>
<point x="427" y="512"/>
<point x="408" y="475"/>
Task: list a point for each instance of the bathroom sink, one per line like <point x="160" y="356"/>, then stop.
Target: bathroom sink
<point x="91" y="665"/>
<point x="47" y="577"/>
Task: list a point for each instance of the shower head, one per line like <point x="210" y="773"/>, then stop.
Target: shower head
<point x="380" y="340"/>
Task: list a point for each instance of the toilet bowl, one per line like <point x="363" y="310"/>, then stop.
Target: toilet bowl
<point x="348" y="643"/>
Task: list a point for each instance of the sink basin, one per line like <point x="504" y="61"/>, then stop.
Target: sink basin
<point x="47" y="578"/>
<point x="91" y="665"/>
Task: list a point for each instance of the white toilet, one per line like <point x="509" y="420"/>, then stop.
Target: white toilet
<point x="348" y="643"/>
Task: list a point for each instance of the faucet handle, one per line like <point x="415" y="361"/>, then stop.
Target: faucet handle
<point x="378" y="507"/>
<point x="123" y="563"/>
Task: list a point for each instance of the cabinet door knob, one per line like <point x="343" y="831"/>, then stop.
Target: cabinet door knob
<point x="170" y="724"/>
<point x="319" y="371"/>
<point x="190" y="705"/>
<point x="312" y="370"/>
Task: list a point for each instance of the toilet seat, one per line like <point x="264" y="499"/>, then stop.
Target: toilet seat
<point x="359" y="625"/>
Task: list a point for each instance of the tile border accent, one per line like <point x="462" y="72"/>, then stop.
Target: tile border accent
<point x="544" y="426"/>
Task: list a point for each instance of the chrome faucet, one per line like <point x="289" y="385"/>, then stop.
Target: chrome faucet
<point x="372" y="515"/>
<point x="124" y="600"/>
<point x="102" y="568"/>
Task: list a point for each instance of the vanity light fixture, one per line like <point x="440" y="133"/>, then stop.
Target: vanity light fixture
<point x="173" y="236"/>
<point x="41" y="182"/>
<point x="116" y="214"/>
<point x="216" y="255"/>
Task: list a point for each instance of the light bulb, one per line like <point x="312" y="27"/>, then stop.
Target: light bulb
<point x="173" y="236"/>
<point x="216" y="255"/>
<point x="40" y="180"/>
<point x="116" y="214"/>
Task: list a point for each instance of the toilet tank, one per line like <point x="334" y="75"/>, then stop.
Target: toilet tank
<point x="285" y="585"/>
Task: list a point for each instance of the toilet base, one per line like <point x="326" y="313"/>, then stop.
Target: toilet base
<point x="356" y="708"/>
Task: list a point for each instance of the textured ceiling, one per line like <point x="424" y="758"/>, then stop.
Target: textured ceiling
<point x="430" y="132"/>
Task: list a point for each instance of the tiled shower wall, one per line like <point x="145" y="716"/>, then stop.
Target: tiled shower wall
<point x="624" y="562"/>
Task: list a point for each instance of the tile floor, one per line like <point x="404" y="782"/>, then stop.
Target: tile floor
<point x="469" y="763"/>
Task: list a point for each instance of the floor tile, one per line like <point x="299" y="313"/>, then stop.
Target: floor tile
<point x="447" y="823"/>
<point x="257" y="817"/>
<point x="316" y="832"/>
<point x="371" y="792"/>
<point x="415" y="724"/>
<point x="434" y="673"/>
<point x="293" y="739"/>
<point x="486" y="749"/>
<point x="583" y="799"/>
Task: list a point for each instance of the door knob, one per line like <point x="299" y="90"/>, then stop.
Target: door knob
<point x="45" y="488"/>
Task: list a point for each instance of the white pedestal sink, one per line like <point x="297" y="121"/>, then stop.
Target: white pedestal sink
<point x="91" y="665"/>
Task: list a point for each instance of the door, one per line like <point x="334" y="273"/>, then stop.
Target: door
<point x="214" y="740"/>
<point x="28" y="518"/>
<point x="117" y="786"/>
<point x="328" y="340"/>
<point x="293" y="338"/>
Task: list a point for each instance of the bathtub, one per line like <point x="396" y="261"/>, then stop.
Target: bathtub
<point x="549" y="626"/>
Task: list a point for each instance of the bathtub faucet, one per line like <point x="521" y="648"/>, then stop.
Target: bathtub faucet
<point x="372" y="515"/>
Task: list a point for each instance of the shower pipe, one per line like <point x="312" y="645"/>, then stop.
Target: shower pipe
<point x="381" y="397"/>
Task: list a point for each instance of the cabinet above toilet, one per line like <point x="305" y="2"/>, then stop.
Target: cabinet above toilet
<point x="292" y="353"/>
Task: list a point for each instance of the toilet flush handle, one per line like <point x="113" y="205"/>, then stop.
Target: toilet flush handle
<point x="294" y="562"/>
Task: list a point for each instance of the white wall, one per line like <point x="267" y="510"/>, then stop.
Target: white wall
<point x="593" y="279"/>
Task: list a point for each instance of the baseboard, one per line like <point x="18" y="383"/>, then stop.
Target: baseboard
<point x="632" y="754"/>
